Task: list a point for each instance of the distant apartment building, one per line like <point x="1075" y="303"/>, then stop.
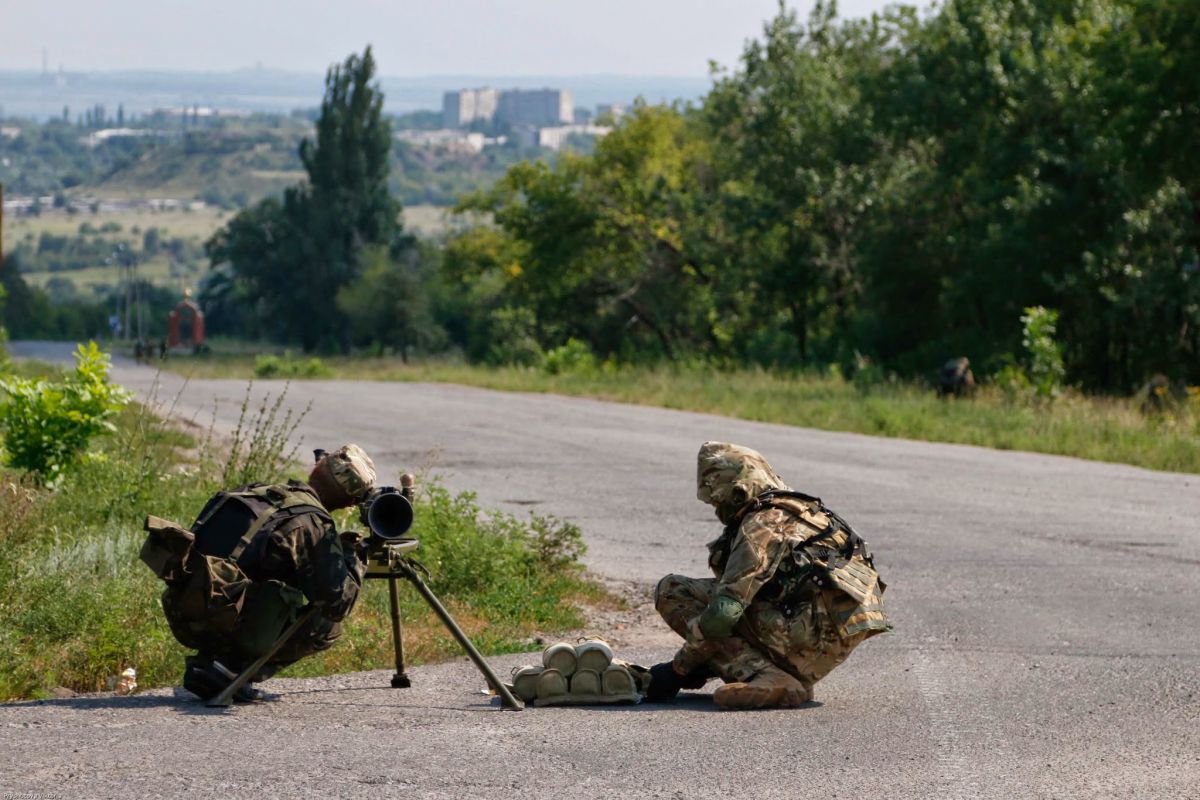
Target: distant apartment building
<point x="536" y="107"/>
<point x="557" y="137"/>
<point x="452" y="139"/>
<point x="461" y="108"/>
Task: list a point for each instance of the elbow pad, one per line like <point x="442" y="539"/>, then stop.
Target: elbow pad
<point x="720" y="617"/>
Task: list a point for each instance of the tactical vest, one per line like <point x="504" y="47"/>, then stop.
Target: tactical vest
<point x="832" y="561"/>
<point x="210" y="603"/>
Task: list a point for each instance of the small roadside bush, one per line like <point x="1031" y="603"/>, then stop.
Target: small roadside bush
<point x="573" y="357"/>
<point x="285" y="366"/>
<point x="48" y="425"/>
<point x="1046" y="370"/>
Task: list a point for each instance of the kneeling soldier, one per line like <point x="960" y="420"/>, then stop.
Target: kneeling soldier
<point x="796" y="591"/>
<point x="254" y="557"/>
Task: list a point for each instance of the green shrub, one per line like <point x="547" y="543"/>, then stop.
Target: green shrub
<point x="285" y="366"/>
<point x="268" y="366"/>
<point x="313" y="368"/>
<point x="258" y="451"/>
<point x="573" y="357"/>
<point x="1046" y="370"/>
<point x="1013" y="381"/>
<point x="48" y="425"/>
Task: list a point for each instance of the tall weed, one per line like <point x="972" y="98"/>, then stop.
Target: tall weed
<point x="261" y="445"/>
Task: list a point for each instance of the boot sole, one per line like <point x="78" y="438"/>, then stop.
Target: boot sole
<point x="743" y="696"/>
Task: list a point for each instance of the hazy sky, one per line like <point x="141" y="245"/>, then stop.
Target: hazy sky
<point x="431" y="37"/>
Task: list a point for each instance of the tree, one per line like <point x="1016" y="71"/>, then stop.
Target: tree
<point x="798" y="155"/>
<point x="297" y="254"/>
<point x="388" y="305"/>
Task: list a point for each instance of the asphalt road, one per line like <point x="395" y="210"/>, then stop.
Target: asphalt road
<point x="1046" y="640"/>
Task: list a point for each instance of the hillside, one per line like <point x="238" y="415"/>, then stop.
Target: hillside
<point x="225" y="162"/>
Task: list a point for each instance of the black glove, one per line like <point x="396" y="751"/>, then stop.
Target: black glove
<point x="664" y="683"/>
<point x="696" y="678"/>
<point x="354" y="545"/>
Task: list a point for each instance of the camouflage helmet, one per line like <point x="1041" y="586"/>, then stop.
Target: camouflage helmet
<point x="729" y="475"/>
<point x="350" y="469"/>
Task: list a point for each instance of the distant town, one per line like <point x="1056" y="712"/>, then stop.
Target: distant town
<point x="536" y="117"/>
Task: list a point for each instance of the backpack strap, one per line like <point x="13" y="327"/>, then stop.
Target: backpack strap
<point x="285" y="502"/>
<point x="854" y="543"/>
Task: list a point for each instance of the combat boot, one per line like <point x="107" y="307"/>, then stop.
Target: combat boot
<point x="206" y="678"/>
<point x="770" y="688"/>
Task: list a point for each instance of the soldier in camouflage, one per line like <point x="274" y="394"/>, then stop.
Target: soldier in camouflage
<point x="795" y="591"/>
<point x="956" y="378"/>
<point x="290" y="555"/>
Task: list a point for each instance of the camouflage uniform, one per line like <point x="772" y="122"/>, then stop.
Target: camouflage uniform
<point x="242" y="584"/>
<point x="956" y="378"/>
<point x="306" y="553"/>
<point x="789" y="598"/>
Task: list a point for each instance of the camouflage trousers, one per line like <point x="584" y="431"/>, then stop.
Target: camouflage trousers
<point x="318" y="634"/>
<point x="805" y="644"/>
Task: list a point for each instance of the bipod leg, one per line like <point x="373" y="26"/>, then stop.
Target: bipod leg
<point x="400" y="680"/>
<point x="225" y="698"/>
<point x="506" y="697"/>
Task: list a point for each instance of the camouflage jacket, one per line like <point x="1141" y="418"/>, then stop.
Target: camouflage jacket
<point x="306" y="552"/>
<point x="771" y="556"/>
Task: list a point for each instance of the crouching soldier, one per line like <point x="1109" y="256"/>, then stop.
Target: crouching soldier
<point x="956" y="378"/>
<point x="254" y="557"/>
<point x="795" y="591"/>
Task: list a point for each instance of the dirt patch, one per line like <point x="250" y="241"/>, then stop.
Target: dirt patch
<point x="632" y="621"/>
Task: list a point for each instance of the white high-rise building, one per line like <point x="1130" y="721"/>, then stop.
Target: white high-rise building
<point x="461" y="108"/>
<point x="536" y="107"/>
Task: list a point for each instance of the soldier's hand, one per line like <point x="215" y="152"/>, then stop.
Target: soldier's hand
<point x="354" y="542"/>
<point x="664" y="683"/>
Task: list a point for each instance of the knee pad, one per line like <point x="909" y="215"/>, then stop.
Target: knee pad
<point x="663" y="588"/>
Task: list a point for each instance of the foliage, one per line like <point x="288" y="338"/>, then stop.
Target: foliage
<point x="1045" y="354"/>
<point x="901" y="187"/>
<point x="574" y="356"/>
<point x="30" y="313"/>
<point x="511" y="337"/>
<point x="389" y="306"/>
<point x="262" y="443"/>
<point x="472" y="551"/>
<point x="285" y="366"/>
<point x="295" y="254"/>
<point x="48" y="425"/>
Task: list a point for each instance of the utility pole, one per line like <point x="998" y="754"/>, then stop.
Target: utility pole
<point x="1" y="226"/>
<point x="139" y="298"/>
<point x="128" y="288"/>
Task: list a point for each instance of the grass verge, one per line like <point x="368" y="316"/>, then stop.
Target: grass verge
<point x="1097" y="428"/>
<point x="80" y="607"/>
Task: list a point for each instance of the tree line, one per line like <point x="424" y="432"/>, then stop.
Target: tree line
<point x="892" y="191"/>
<point x="897" y="190"/>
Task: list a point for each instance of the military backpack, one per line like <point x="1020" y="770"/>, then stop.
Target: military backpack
<point x="210" y="603"/>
